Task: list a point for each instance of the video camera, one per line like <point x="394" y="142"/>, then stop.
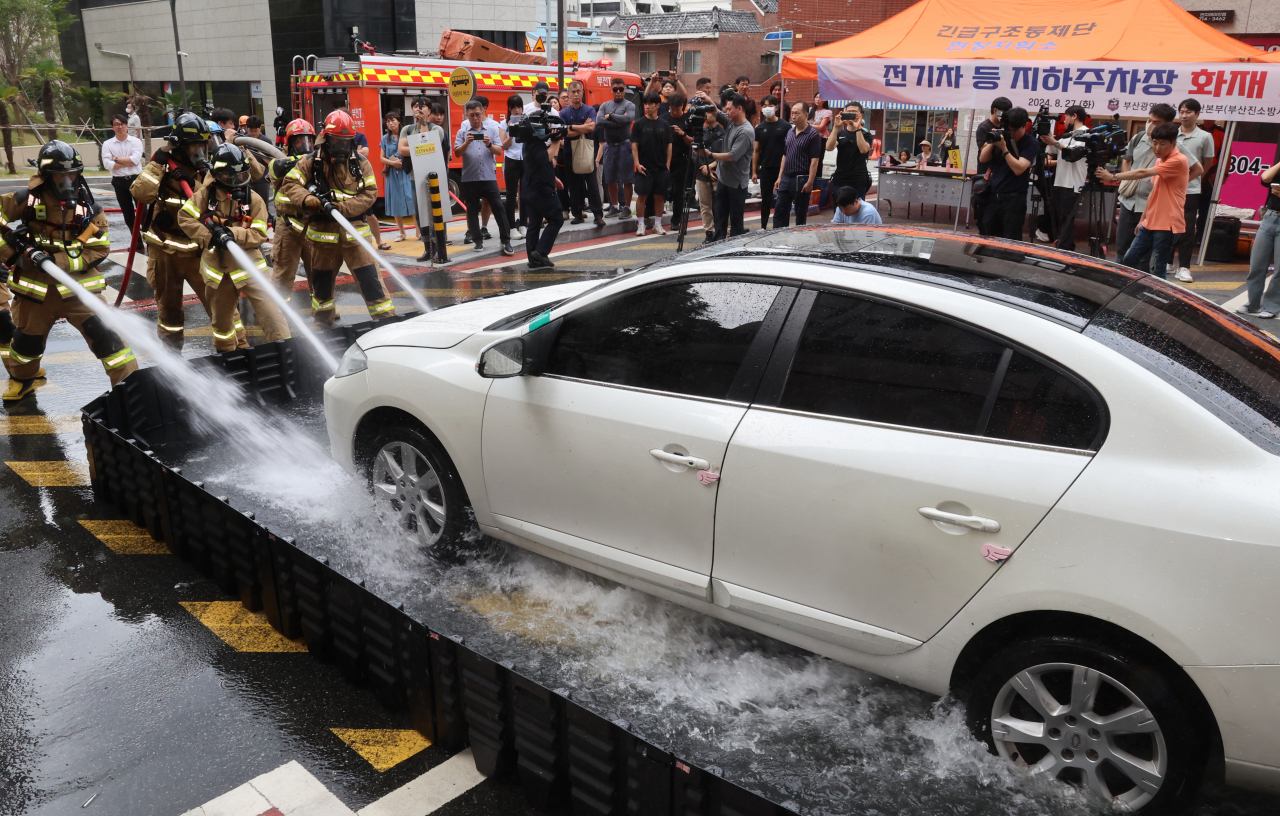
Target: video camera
<point x="1102" y="143"/>
<point x="698" y="111"/>
<point x="539" y="127"/>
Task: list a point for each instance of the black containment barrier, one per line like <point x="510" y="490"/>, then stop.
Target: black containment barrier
<point x="566" y="758"/>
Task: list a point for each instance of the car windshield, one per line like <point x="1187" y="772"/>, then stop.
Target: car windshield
<point x="1224" y="363"/>
<point x="1064" y="287"/>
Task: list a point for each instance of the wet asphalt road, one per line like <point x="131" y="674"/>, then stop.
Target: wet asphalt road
<point x="110" y="686"/>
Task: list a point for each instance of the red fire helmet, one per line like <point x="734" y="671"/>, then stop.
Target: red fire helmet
<point x="339" y="123"/>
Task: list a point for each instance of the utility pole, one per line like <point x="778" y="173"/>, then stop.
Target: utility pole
<point x="177" y="47"/>
<point x="560" y="44"/>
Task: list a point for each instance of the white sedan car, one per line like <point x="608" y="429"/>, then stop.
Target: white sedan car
<point x="1046" y="484"/>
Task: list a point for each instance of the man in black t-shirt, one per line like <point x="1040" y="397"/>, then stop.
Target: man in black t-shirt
<point x="852" y="143"/>
<point x="678" y="119"/>
<point x="540" y="201"/>
<point x="651" y="151"/>
<point x="771" y="143"/>
<point x="1011" y="160"/>
<point x="998" y="106"/>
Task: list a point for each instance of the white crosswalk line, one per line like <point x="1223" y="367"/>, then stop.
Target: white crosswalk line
<point x="431" y="791"/>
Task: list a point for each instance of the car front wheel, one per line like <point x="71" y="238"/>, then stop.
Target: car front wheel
<point x="415" y="477"/>
<point x="1090" y="716"/>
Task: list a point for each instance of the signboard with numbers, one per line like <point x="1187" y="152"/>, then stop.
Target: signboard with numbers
<point x="1243" y="185"/>
<point x="1243" y="92"/>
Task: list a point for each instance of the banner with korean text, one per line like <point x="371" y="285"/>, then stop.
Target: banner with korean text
<point x="1244" y="93"/>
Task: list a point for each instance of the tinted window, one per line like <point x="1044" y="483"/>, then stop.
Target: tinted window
<point x="883" y="363"/>
<point x="687" y="338"/>
<point x="1226" y="364"/>
<point x="1039" y="404"/>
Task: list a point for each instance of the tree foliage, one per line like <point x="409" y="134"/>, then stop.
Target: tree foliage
<point x="28" y="33"/>
<point x="9" y="95"/>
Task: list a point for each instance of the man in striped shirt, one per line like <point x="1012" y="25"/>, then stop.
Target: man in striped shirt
<point x="799" y="167"/>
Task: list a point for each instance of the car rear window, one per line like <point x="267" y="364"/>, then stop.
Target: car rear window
<point x="1226" y="364"/>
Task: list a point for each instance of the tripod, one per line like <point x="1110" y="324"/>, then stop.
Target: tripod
<point x="1042" y="177"/>
<point x="690" y="191"/>
<point x="1096" y="200"/>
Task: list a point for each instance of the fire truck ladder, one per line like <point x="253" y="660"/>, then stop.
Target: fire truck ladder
<point x="295" y="83"/>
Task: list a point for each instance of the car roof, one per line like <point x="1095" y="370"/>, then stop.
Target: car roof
<point x="1061" y="286"/>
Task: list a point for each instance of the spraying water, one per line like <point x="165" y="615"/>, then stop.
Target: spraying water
<point x="246" y="263"/>
<point x="418" y="299"/>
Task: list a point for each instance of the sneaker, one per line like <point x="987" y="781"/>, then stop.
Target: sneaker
<point x="624" y="213"/>
<point x="577" y="219"/>
<point x="466" y="237"/>
<point x="1042" y="236"/>
<point x="539" y="261"/>
<point x="479" y="246"/>
<point x="520" y="230"/>
<point x="657" y="228"/>
<point x="507" y="249"/>
<point x="484" y="233"/>
<point x="1258" y="313"/>
<point x="612" y="212"/>
<point x="640" y="229"/>
<point x="1184" y="275"/>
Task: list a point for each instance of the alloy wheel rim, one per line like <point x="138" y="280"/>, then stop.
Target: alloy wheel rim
<point x="406" y="478"/>
<point x="1084" y="727"/>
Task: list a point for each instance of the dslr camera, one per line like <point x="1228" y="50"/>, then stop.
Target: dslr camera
<point x="539" y="127"/>
<point x="699" y="109"/>
<point x="1042" y="123"/>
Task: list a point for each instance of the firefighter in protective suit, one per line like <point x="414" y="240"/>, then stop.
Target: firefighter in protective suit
<point x="337" y="178"/>
<point x="6" y="318"/>
<point x="174" y="257"/>
<point x="289" y="246"/>
<point x="223" y="211"/>
<point x="56" y="220"/>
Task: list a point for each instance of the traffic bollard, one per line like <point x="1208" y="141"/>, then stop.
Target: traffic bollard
<point x="437" y="219"/>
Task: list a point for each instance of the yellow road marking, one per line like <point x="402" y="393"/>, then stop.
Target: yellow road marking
<point x="241" y="629"/>
<point x="383" y="748"/>
<point x="1222" y="285"/>
<point x="40" y="424"/>
<point x="52" y="474"/>
<point x="124" y="537"/>
<point x="608" y="263"/>
<point x="207" y="331"/>
<point x="1226" y="267"/>
<point x="519" y="614"/>
<point x="68" y="358"/>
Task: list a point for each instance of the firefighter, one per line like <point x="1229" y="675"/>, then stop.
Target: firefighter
<point x="56" y="220"/>
<point x="289" y="246"/>
<point x="225" y="210"/>
<point x="174" y="258"/>
<point x="6" y="319"/>
<point x="337" y="178"/>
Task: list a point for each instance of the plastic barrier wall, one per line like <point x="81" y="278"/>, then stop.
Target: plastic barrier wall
<point x="566" y="757"/>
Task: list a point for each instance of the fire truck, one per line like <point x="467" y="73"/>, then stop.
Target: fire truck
<point x="372" y="85"/>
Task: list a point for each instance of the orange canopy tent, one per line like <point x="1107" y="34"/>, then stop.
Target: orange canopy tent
<point x="1148" y="31"/>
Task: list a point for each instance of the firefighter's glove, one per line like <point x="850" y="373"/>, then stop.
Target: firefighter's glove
<point x="4" y="274"/>
<point x="19" y="238"/>
<point x="221" y="236"/>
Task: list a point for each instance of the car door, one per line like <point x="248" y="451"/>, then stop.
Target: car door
<point x="620" y="441"/>
<point x="890" y="451"/>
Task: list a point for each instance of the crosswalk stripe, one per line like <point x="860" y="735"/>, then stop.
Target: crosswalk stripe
<point x="124" y="537"/>
<point x="41" y="424"/>
<point x="431" y="791"/>
<point x="52" y="474"/>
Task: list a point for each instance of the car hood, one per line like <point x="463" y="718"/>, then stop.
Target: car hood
<point x="449" y="326"/>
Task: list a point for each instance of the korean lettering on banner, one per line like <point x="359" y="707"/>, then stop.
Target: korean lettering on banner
<point x="1011" y="38"/>
<point x="1248" y="93"/>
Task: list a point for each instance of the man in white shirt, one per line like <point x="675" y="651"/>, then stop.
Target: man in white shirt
<point x="1069" y="176"/>
<point x="123" y="157"/>
<point x="135" y="122"/>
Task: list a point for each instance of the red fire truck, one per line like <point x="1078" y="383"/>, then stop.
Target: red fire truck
<point x="373" y="85"/>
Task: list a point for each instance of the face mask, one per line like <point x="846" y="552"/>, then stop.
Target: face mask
<point x="197" y="156"/>
<point x="768" y="112"/>
<point x="64" y="187"/>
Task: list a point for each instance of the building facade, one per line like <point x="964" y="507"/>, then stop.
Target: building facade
<point x="241" y="52"/>
<point x="719" y="43"/>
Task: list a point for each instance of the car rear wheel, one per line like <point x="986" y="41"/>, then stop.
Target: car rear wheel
<point x="415" y="477"/>
<point x="1087" y="715"/>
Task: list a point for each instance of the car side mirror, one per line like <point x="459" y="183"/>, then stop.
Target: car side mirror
<point x="504" y="358"/>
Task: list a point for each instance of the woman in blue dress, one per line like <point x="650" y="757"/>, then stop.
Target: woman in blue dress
<point x="398" y="201"/>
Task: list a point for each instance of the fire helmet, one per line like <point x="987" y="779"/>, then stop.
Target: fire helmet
<point x="60" y="164"/>
<point x="230" y="166"/>
<point x="305" y="134"/>
<point x="339" y="136"/>
<point x="190" y="134"/>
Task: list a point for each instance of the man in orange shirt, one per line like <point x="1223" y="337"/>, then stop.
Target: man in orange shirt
<point x="1164" y="220"/>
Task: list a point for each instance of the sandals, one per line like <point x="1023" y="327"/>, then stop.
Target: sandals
<point x="384" y="246"/>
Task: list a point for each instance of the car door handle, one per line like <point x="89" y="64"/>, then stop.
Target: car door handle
<point x="677" y="459"/>
<point x="979" y="523"/>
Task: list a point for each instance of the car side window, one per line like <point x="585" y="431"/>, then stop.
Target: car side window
<point x="685" y="338"/>
<point x="1041" y="405"/>
<point x="865" y="360"/>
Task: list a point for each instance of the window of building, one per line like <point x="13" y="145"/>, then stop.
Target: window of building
<point x="692" y="62"/>
<point x="647" y="62"/>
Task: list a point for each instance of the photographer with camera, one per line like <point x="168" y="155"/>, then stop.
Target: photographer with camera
<point x="1164" y="219"/>
<point x="478" y="143"/>
<point x="1011" y="150"/>
<point x="852" y="142"/>
<point x="733" y="169"/>
<point x="706" y="126"/>
<point x="541" y="134"/>
<point x="981" y="196"/>
<point x="1070" y="174"/>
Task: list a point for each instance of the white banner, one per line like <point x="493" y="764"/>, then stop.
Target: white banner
<point x="1240" y="92"/>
